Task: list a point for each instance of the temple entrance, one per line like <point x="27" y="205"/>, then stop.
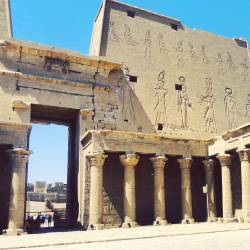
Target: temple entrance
<point x="51" y="198"/>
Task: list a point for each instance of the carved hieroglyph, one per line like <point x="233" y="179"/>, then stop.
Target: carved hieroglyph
<point x="113" y="35"/>
<point x="147" y="44"/>
<point x="129" y="39"/>
<point x="162" y="44"/>
<point x="179" y="57"/>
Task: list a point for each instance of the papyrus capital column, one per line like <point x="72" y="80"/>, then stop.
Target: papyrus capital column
<point x="244" y="155"/>
<point x="186" y="195"/>
<point x="18" y="159"/>
<point x="209" y="173"/>
<point x="227" y="203"/>
<point x="96" y="162"/>
<point x="159" y="163"/>
<point x="129" y="161"/>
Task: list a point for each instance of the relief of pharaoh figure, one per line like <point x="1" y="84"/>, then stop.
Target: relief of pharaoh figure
<point x="208" y="101"/>
<point x="160" y="94"/>
<point x="183" y="102"/>
<point x="230" y="108"/>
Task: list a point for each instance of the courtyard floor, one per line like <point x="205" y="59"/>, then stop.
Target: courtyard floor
<point x="200" y="236"/>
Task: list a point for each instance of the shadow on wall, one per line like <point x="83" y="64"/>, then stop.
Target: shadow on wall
<point x="5" y="179"/>
<point x="236" y="183"/>
<point x="113" y="175"/>
<point x="144" y="185"/>
<point x="173" y="190"/>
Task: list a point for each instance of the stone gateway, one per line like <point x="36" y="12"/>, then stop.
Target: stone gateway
<point x="155" y="113"/>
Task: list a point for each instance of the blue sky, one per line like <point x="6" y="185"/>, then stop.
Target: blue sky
<point x="68" y="24"/>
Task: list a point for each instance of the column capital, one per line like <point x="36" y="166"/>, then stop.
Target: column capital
<point x="158" y="161"/>
<point x="129" y="160"/>
<point x="244" y="154"/>
<point x="224" y="159"/>
<point x="96" y="159"/>
<point x="20" y="156"/>
<point x="185" y="163"/>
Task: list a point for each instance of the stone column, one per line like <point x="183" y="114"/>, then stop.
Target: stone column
<point x="96" y="162"/>
<point x="129" y="161"/>
<point x="19" y="158"/>
<point x="159" y="190"/>
<point x="244" y="155"/>
<point x="186" y="195"/>
<point x="209" y="172"/>
<point x="225" y="161"/>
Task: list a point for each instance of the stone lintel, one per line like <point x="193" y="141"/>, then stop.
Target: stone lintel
<point x="120" y="141"/>
<point x="104" y="67"/>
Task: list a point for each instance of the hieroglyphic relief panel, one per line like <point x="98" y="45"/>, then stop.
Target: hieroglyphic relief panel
<point x="196" y="55"/>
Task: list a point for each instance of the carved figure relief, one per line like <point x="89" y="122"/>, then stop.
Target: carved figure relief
<point x="162" y="44"/>
<point x="204" y="56"/>
<point x="179" y="56"/>
<point x="245" y="67"/>
<point x="128" y="36"/>
<point x="183" y="101"/>
<point x="160" y="94"/>
<point x="220" y="64"/>
<point x="126" y="95"/>
<point x="191" y="50"/>
<point x="230" y="62"/>
<point x="208" y="101"/>
<point x="230" y="108"/>
<point x="113" y="36"/>
<point x="248" y="105"/>
<point x="147" y="43"/>
<point x="56" y="65"/>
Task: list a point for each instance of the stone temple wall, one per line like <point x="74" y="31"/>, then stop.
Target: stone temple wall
<point x="189" y="82"/>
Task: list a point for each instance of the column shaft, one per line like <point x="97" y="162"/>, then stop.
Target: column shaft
<point x="186" y="195"/>
<point x="96" y="190"/>
<point x="209" y="172"/>
<point x="129" y="161"/>
<point x="19" y="158"/>
<point x="244" y="155"/>
<point x="159" y="189"/>
<point x="227" y="205"/>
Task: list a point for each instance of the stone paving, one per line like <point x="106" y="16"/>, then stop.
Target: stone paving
<point x="196" y="236"/>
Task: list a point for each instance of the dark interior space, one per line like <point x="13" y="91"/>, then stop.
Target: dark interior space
<point x="68" y="117"/>
<point x="236" y="181"/>
<point x="144" y="183"/>
<point x="173" y="190"/>
<point x="218" y="187"/>
<point x="5" y="180"/>
<point x="113" y="174"/>
<point x="198" y="180"/>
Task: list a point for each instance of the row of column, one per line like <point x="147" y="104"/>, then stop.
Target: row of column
<point x="227" y="202"/>
<point x="130" y="161"/>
